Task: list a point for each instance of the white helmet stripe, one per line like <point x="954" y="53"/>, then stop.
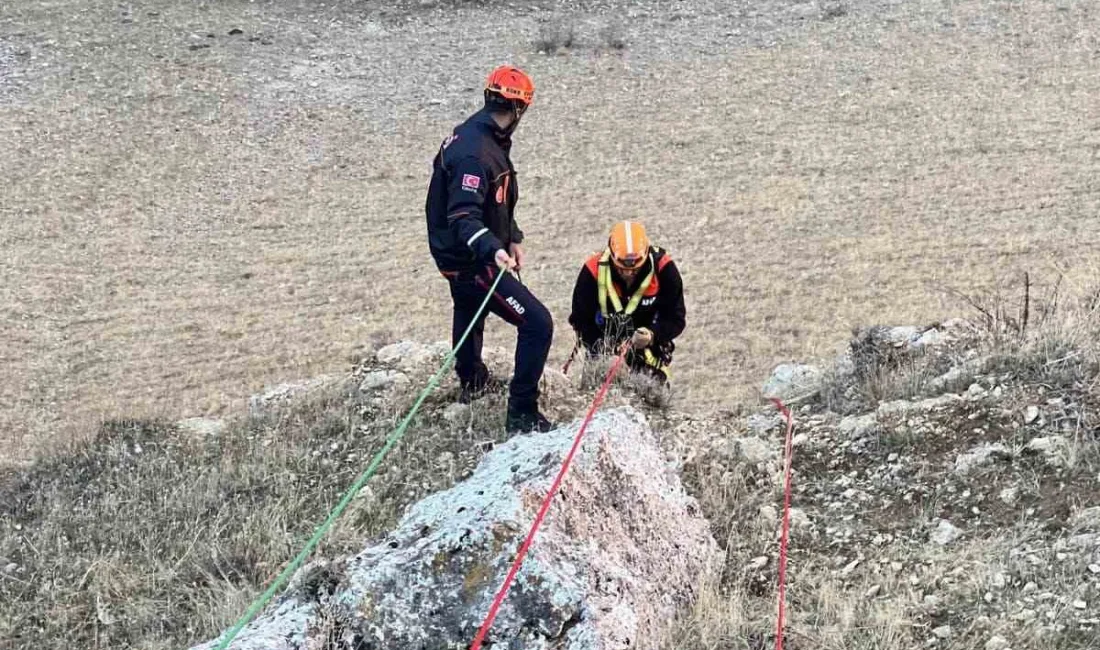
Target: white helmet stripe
<point x="629" y="239"/>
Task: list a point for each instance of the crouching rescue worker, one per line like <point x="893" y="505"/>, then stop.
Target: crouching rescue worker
<point x="473" y="237"/>
<point x="630" y="291"/>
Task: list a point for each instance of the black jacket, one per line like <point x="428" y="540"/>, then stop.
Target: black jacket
<point x="472" y="196"/>
<point x="661" y="310"/>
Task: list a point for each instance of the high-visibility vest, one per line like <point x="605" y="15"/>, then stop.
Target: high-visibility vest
<point x="606" y="290"/>
<point x="609" y="300"/>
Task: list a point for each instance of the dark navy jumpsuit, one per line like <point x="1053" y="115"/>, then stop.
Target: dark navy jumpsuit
<point x="470" y="213"/>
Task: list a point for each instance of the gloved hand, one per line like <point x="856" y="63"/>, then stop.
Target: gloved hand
<point x="642" y="338"/>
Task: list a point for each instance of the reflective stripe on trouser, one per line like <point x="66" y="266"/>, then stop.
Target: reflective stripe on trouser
<point x="649" y="361"/>
<point x="516" y="305"/>
<point x="654" y="362"/>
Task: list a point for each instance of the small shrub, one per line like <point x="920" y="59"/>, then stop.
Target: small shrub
<point x="613" y="37"/>
<point x="555" y="36"/>
<point x="834" y="10"/>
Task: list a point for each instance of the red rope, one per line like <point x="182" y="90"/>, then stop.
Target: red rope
<point x="546" y="504"/>
<point x="786" y="524"/>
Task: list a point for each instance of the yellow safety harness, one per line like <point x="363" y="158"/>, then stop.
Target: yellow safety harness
<point x="607" y="291"/>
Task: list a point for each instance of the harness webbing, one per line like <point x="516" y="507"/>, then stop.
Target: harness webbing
<point x="606" y="289"/>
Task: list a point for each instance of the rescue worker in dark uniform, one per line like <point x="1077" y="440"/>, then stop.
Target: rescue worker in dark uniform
<point x="473" y="236"/>
<point x="631" y="290"/>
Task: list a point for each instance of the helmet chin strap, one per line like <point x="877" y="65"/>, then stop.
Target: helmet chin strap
<point x="516" y="114"/>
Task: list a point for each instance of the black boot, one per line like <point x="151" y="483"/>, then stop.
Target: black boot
<point x="526" y="421"/>
<point x="473" y="391"/>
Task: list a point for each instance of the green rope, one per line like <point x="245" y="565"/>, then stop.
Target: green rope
<point x="339" y="509"/>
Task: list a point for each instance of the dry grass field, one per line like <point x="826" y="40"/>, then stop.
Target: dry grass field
<point x="188" y="214"/>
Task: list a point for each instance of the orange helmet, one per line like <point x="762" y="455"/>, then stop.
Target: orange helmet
<point x="628" y="244"/>
<point x="512" y="84"/>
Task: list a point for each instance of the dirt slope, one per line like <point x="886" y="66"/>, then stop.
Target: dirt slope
<point x="188" y="215"/>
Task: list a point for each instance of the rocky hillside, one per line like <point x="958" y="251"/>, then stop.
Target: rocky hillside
<point x="945" y="494"/>
<point x="620" y="550"/>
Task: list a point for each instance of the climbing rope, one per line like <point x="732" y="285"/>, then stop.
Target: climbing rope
<point x="392" y="440"/>
<point x="499" y="599"/>
<point x="787" y="458"/>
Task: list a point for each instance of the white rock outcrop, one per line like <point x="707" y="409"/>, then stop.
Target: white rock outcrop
<point x="622" y="546"/>
<point x="792" y="381"/>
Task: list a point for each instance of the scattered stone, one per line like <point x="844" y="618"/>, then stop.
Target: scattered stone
<point x="942" y="632"/>
<point x="1009" y="495"/>
<point x="755" y="450"/>
<point x="872" y="592"/>
<point x="900" y="336"/>
<point x="1080" y="604"/>
<point x="1054" y="449"/>
<point x="202" y="427"/>
<point x="980" y="456"/>
<point x="283" y="392"/>
<point x="975" y="391"/>
<point x="1026" y="615"/>
<point x="1030" y="588"/>
<point x="1094" y="568"/>
<point x="949" y="379"/>
<point x="996" y="643"/>
<point x="799" y="519"/>
<point x="854" y="426"/>
<point x="11" y="568"/>
<point x="408" y="355"/>
<point x="929" y="338"/>
<point x="903" y="407"/>
<point x="1087" y="518"/>
<point x="758" y="563"/>
<point x="456" y="414"/>
<point x="790" y="382"/>
<point x="769" y="515"/>
<point x="1087" y="541"/>
<point x="945" y="533"/>
<point x="379" y="379"/>
<point x="398" y="351"/>
<point x="555" y="384"/>
<point x="1031" y="414"/>
<point x="763" y="424"/>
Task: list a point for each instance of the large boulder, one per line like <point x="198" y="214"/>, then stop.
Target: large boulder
<point x="621" y="548"/>
<point x="792" y="381"/>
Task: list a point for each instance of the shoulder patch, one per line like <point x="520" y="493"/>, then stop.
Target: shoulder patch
<point x="470" y="182"/>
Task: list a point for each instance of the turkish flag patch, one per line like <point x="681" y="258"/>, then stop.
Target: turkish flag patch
<point x="470" y="182"/>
